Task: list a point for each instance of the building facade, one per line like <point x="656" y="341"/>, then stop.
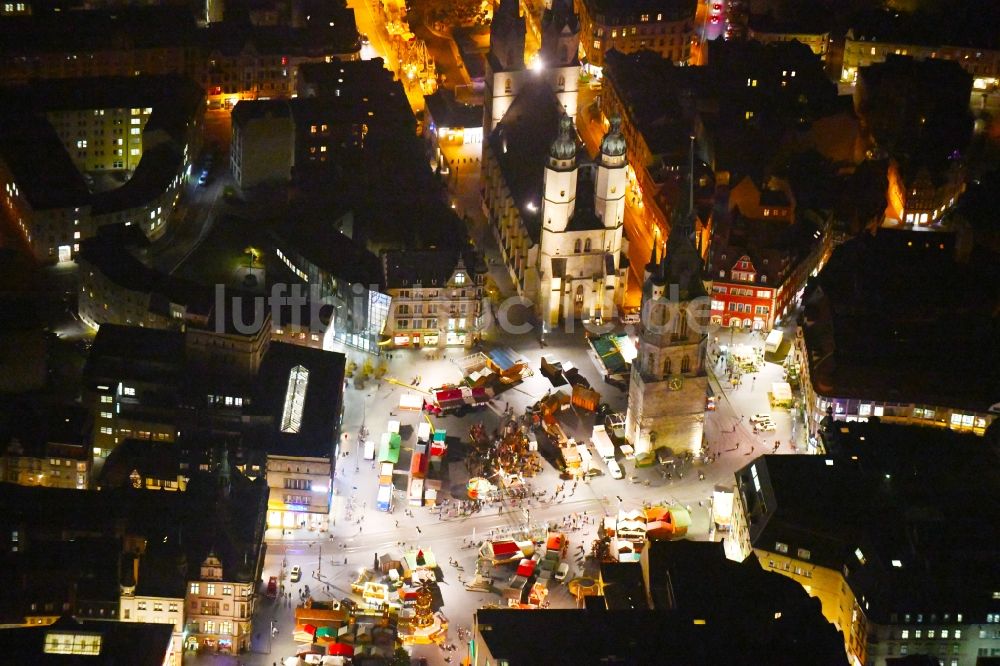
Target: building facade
<point x="888" y="599"/>
<point x="668" y="388"/>
<point x="864" y="47"/>
<point x="437" y="298"/>
<point x="158" y="610"/>
<point x="580" y="261"/>
<point x="762" y="256"/>
<point x="219" y="611"/>
<point x="666" y="27"/>
<point x="300" y="492"/>
<point x="147" y="129"/>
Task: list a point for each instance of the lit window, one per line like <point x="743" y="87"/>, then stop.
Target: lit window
<point x="135" y="131"/>
<point x="858" y="554"/>
<point x="781" y="547"/>
<point x="295" y="398"/>
<point x="133" y="151"/>
<point x="65" y="643"/>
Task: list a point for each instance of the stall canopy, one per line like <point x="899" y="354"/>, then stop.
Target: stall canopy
<point x="340" y="649"/>
<point x="505" y="358"/>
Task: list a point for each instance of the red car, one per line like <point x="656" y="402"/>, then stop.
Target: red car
<point x="715" y="19"/>
<point x="717" y="7"/>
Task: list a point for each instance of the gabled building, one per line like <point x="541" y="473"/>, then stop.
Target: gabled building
<point x="762" y="256"/>
<point x="437" y="298"/>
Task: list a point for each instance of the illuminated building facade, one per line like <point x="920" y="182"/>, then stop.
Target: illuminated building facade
<point x="44" y="445"/>
<point x="437" y="298"/>
<point x="230" y="61"/>
<point x="668" y="388"/>
<point x="762" y="256"/>
<point x="665" y="27"/>
<point x="884" y="533"/>
<point x="864" y="46"/>
<point x="220" y="610"/>
<point x="59" y="136"/>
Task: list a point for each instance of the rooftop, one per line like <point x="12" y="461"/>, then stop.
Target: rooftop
<point x="428" y="268"/>
<point x="521" y="142"/>
<point x="893" y="507"/>
<point x="302" y="390"/>
<point x="448" y="112"/>
<point x="70" y="642"/>
<point x="109" y="254"/>
<point x="871" y="335"/>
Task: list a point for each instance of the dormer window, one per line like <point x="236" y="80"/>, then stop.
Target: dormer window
<point x="763" y="279"/>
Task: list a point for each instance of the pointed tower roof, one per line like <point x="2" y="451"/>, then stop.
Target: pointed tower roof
<point x="564" y="147"/>
<point x="613" y="143"/>
<point x="681" y="264"/>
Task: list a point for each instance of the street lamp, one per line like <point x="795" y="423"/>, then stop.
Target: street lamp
<point x="691" y="177"/>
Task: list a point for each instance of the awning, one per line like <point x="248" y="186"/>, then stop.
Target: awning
<point x="340" y="649"/>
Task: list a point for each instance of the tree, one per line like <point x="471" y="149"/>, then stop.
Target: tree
<point x="400" y="657"/>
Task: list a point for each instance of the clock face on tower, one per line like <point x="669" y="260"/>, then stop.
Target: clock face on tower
<point x="675" y="383"/>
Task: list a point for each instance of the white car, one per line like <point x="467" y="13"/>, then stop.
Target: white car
<point x="562" y="571"/>
<point x="296" y="574"/>
<point x="757" y="418"/>
<point x="615" y="469"/>
<point x="764" y="426"/>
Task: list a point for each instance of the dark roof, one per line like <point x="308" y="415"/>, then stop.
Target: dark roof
<point x="409" y="268"/>
<point x="971" y="25"/>
<point x="446" y="111"/>
<point x="35" y="424"/>
<point x="130" y="352"/>
<point x="109" y="254"/>
<point x="893" y="493"/>
<point x="775" y="247"/>
<point x="51" y="31"/>
<point x="201" y="518"/>
<point x="870" y="334"/>
<point x="323" y="398"/>
<point x="595" y="637"/>
<point x="520" y="143"/>
<point x="802" y="25"/>
<point x="247" y="110"/>
<point x="673" y="9"/>
<point x="41" y="167"/>
<point x="133" y="643"/>
<point x="324" y="245"/>
<point x="584" y="217"/>
<point x="158" y="460"/>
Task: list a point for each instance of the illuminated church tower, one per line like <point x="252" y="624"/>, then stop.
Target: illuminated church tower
<point x="666" y="398"/>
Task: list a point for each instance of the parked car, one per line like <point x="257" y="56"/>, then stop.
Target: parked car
<point x="615" y="469"/>
<point x="757" y="418"/>
<point x="296" y="574"/>
<point x="562" y="571"/>
<point x="764" y="426"/>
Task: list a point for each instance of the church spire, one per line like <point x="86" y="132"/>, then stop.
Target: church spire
<point x="560" y="35"/>
<point x="507" y="33"/>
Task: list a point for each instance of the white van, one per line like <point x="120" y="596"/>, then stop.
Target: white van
<point x="615" y="469"/>
<point x="773" y="341"/>
<point x="370" y="449"/>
